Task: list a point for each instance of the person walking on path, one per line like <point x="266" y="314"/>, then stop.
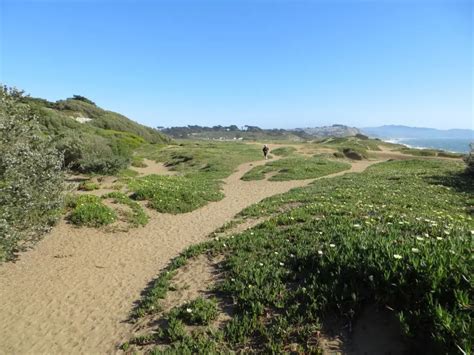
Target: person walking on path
<point x="265" y="151"/>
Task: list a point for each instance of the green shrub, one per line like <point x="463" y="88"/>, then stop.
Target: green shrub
<point x="89" y="153"/>
<point x="31" y="181"/>
<point x="88" y="210"/>
<point x="469" y="160"/>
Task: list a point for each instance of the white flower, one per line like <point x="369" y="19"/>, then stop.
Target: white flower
<point x="189" y="310"/>
<point x="419" y="238"/>
<point x="426" y="235"/>
<point x="292" y="256"/>
<point x="397" y="256"/>
<point x="371" y="277"/>
<point x="261" y="264"/>
<point x="332" y="245"/>
<point x="472" y="232"/>
<point x="439" y="238"/>
<point x="276" y="253"/>
<point x="415" y="250"/>
<point x="281" y="264"/>
<point x="320" y="252"/>
<point x="356" y="225"/>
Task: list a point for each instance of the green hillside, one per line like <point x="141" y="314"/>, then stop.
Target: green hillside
<point x="91" y="138"/>
<point x="64" y="114"/>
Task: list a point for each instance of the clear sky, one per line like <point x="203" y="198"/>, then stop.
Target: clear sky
<point x="267" y="63"/>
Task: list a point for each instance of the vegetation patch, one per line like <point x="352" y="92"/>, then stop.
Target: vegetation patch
<point x="201" y="311"/>
<point x="88" y="186"/>
<point x="175" y="194"/>
<point x="284" y="151"/>
<point x="214" y="160"/>
<point x="88" y="210"/>
<point x="295" y="168"/>
<point x="137" y="217"/>
<point x="397" y="235"/>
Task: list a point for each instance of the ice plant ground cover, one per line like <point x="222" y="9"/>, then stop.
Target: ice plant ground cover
<point x="398" y="235"/>
<point x="296" y="168"/>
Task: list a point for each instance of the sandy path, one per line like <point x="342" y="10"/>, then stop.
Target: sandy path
<point x="74" y="291"/>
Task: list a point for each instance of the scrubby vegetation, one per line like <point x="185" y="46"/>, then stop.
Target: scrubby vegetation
<point x="31" y="180"/>
<point x="295" y="168"/>
<point x="469" y="159"/>
<point x="398" y="235"/>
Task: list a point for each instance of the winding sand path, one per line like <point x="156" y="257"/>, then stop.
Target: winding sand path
<point x="74" y="291"/>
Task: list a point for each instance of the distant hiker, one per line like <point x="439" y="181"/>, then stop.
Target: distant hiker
<point x="265" y="151"/>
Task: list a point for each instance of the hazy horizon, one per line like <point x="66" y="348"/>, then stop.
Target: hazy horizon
<point x="272" y="64"/>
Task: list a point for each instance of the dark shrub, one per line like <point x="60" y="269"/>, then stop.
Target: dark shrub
<point x="31" y="181"/>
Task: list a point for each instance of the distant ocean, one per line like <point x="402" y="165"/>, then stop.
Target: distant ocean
<point x="449" y="144"/>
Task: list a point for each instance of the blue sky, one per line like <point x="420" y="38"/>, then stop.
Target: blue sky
<point x="267" y="63"/>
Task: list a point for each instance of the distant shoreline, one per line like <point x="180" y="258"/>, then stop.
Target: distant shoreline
<point x="452" y="145"/>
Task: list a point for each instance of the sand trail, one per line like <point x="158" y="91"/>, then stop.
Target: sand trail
<point x="74" y="291"/>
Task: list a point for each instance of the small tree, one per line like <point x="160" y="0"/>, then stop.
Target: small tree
<point x="31" y="181"/>
<point x="469" y="159"/>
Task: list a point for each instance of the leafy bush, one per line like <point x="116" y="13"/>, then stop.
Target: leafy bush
<point x="88" y="153"/>
<point x="31" y="182"/>
<point x="469" y="159"/>
<point x="88" y="210"/>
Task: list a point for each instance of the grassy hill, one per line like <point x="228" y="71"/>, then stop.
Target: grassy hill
<point x="68" y="114"/>
<point x="91" y="138"/>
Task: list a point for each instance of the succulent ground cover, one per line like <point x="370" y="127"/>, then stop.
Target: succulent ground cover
<point x="91" y="211"/>
<point x="175" y="194"/>
<point x="398" y="235"/>
<point x="296" y="168"/>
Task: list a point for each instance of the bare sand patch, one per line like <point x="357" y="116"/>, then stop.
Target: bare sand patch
<point x="153" y="167"/>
